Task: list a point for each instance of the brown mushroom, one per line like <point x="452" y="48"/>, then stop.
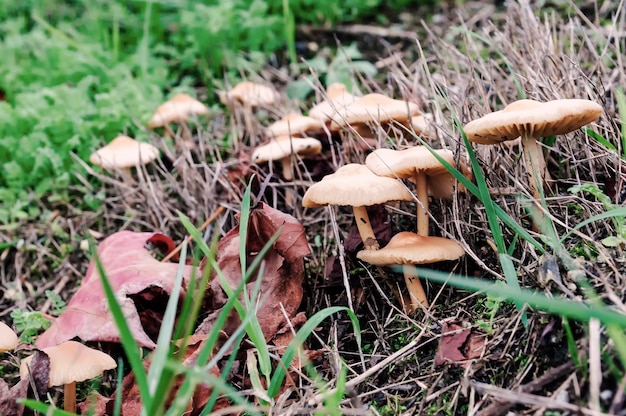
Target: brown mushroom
<point x="283" y="149"/>
<point x="420" y="166"/>
<point x="71" y="362"/>
<point x="356" y="186"/>
<point x="8" y="338"/>
<point x="409" y="249"/>
<point x="123" y="153"/>
<point x="295" y="125"/>
<point x="177" y="109"/>
<point x="531" y="120"/>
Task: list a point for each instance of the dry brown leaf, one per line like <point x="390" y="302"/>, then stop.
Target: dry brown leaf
<point x="458" y="345"/>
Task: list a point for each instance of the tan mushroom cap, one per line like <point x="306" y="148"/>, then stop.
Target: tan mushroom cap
<point x="409" y="162"/>
<point x="176" y="110"/>
<point x="529" y="118"/>
<point x="71" y="362"/>
<point x="124" y="152"/>
<point x="337" y="98"/>
<point x="410" y="248"/>
<point x="251" y="94"/>
<point x="355" y="185"/>
<point x="8" y="338"/>
<point x="422" y="125"/>
<point x="374" y="108"/>
<point x="293" y="125"/>
<point x="282" y="147"/>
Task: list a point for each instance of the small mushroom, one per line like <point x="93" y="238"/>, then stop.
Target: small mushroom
<point x="177" y="109"/>
<point x="294" y="125"/>
<point x="71" y="362"/>
<point x="123" y="153"/>
<point x="376" y="108"/>
<point x="8" y="338"/>
<point x="420" y="166"/>
<point x="250" y="95"/>
<point x="337" y="97"/>
<point x="531" y="120"/>
<point x="283" y="149"/>
<point x="409" y="249"/>
<point x="356" y="186"/>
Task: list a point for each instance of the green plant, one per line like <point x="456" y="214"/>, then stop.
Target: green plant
<point x="618" y="221"/>
<point x="491" y="307"/>
<point x="329" y="69"/>
<point x="29" y="324"/>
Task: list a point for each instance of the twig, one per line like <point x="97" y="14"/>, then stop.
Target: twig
<point x="406" y="350"/>
<point x="501" y="407"/>
<point x="212" y="218"/>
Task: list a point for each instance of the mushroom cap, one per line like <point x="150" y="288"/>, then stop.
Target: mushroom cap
<point x="373" y="108"/>
<point x="407" y="163"/>
<point x="124" y="152"/>
<point x="8" y="338"/>
<point x="422" y="125"/>
<point x="281" y="147"/>
<point x="175" y="110"/>
<point x="355" y="185"/>
<point x="531" y="118"/>
<point x="410" y="248"/>
<point x="337" y="98"/>
<point x="293" y="125"/>
<point x="72" y="361"/>
<point x="251" y="94"/>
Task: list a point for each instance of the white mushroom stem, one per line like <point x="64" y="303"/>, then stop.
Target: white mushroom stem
<point x="365" y="228"/>
<point x="69" y="397"/>
<point x="535" y="164"/>
<point x="287" y="168"/>
<point x="416" y="290"/>
<point x="421" y="186"/>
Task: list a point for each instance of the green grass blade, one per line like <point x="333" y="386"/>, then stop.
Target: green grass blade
<point x="614" y="213"/>
<point x="568" y="308"/>
<point x="160" y="381"/>
<point x="621" y="107"/>
<point x="44" y="408"/>
<point x="301" y="337"/>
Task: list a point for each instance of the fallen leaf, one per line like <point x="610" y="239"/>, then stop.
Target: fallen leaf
<point x="283" y="270"/>
<point x="458" y="345"/>
<point x="131" y="270"/>
<point x="40" y="373"/>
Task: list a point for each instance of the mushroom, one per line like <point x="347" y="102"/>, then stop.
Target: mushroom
<point x="420" y="166"/>
<point x="356" y="186"/>
<point x="337" y="97"/>
<point x="294" y="125"/>
<point x="531" y="120"/>
<point x="409" y="249"/>
<point x="8" y="338"/>
<point x="376" y="108"/>
<point x="177" y="109"/>
<point x="283" y="149"/>
<point x="123" y="153"/>
<point x="251" y="94"/>
<point x="71" y="362"/>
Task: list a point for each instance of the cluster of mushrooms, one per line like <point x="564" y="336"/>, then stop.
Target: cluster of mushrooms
<point x="378" y="181"/>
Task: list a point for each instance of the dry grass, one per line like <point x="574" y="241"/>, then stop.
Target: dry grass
<point x="477" y="62"/>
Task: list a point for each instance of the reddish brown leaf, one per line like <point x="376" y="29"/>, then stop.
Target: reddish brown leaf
<point x="283" y="269"/>
<point x="131" y="270"/>
<point x="40" y="373"/>
<point x="458" y="345"/>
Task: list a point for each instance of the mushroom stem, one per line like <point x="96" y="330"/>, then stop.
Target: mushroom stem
<point x="535" y="164"/>
<point x="365" y="228"/>
<point x="416" y="290"/>
<point x="421" y="186"/>
<point x="287" y="168"/>
<point x="69" y="397"/>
